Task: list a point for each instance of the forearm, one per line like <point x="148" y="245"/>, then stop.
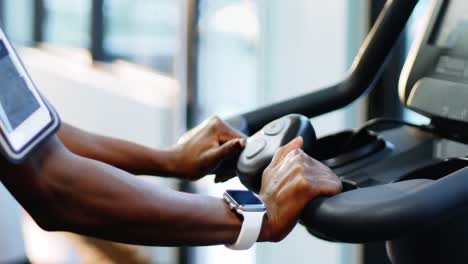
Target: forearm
<point x="131" y="157"/>
<point x="66" y="192"/>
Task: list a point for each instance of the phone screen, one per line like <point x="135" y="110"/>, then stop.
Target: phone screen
<point x="17" y="101"/>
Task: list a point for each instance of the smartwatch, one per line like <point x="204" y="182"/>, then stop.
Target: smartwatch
<point x="252" y="210"/>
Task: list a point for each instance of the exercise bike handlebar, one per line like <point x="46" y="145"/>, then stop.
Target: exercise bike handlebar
<point x="360" y="78"/>
<point x="387" y="211"/>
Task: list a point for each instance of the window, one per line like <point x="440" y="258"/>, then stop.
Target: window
<point x="226" y="83"/>
<point x="18" y="24"/>
<point x="252" y="53"/>
<point x="228" y="57"/>
<point x="143" y="31"/>
<point x="67" y="22"/>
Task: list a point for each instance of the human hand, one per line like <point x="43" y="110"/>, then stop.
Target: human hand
<point x="290" y="181"/>
<point x="201" y="150"/>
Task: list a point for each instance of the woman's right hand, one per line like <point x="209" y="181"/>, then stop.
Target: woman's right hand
<point x="290" y="181"/>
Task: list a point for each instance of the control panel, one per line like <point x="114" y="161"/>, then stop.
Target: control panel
<point x="262" y="146"/>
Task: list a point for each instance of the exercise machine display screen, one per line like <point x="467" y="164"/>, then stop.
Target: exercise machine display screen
<point x="435" y="79"/>
<point x="451" y="36"/>
<point x="453" y="26"/>
<point x="17" y="102"/>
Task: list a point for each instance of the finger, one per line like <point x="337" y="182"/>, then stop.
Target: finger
<point x="290" y="160"/>
<point x="228" y="149"/>
<point x="296" y="156"/>
<point x="222" y="130"/>
<point x="330" y="186"/>
<point x="189" y="134"/>
<point x="285" y="150"/>
<point x="227" y="133"/>
<point x="223" y="178"/>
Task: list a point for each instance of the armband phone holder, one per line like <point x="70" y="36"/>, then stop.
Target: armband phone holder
<point x="26" y="118"/>
<point x="18" y="156"/>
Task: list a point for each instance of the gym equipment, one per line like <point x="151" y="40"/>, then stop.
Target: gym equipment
<point x="262" y="146"/>
<point x="407" y="185"/>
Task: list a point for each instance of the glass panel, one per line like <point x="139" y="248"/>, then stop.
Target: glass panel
<point x="228" y="57"/>
<point x="252" y="53"/>
<point x="144" y="31"/>
<point x="67" y="22"/>
<point x="228" y="44"/>
<point x="307" y="46"/>
<point x="18" y="19"/>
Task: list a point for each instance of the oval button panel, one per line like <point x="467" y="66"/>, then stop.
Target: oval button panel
<point x="255" y="147"/>
<point x="274" y="128"/>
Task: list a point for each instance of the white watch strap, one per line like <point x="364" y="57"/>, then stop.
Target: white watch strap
<point x="251" y="227"/>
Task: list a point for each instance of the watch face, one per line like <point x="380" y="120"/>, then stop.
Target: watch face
<point x="246" y="200"/>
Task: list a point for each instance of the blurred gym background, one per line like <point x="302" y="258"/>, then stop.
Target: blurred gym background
<point x="147" y="70"/>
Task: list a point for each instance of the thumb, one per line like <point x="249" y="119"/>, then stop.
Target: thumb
<point x="228" y="149"/>
<point x="297" y="143"/>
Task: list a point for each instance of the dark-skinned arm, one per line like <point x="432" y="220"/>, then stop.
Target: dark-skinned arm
<point x="196" y="154"/>
<point x="66" y="192"/>
<point x="128" y="156"/>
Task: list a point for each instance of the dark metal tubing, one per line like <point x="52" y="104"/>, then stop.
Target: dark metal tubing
<point x="2" y="14"/>
<point x="98" y="30"/>
<point x="384" y="101"/>
<point x="187" y="255"/>
<point x="361" y="76"/>
<point x="38" y="20"/>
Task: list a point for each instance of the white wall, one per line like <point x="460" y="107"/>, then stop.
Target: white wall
<point x="309" y="45"/>
<point x="304" y="45"/>
<point x="115" y="100"/>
